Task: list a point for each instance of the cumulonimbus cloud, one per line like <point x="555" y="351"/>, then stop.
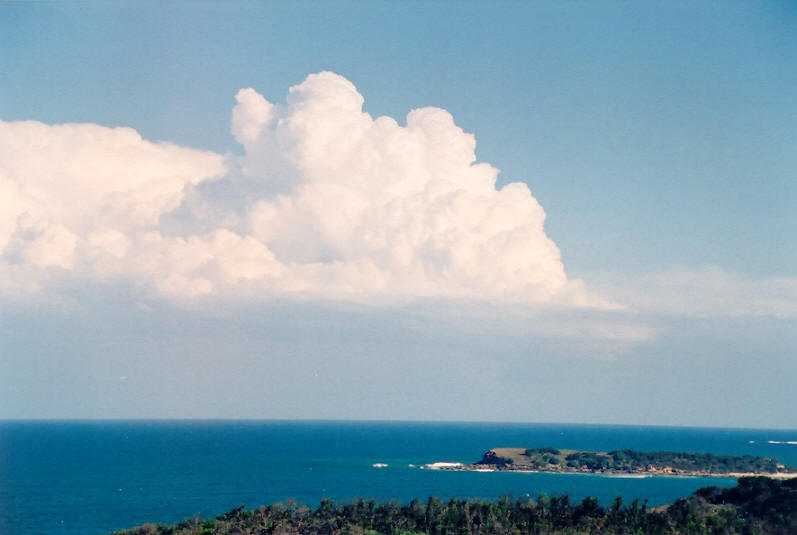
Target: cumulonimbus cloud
<point x="324" y="201"/>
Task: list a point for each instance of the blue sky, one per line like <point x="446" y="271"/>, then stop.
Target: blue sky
<point x="660" y="139"/>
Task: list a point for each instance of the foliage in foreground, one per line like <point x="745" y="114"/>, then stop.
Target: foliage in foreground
<point x="757" y="505"/>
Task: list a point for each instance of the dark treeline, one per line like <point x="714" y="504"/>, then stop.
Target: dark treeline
<point x="633" y="461"/>
<point x="757" y="505"/>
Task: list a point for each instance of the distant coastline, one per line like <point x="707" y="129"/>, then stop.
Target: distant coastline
<point x="628" y="463"/>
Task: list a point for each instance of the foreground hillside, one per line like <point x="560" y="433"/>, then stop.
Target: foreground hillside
<point x="757" y="505"/>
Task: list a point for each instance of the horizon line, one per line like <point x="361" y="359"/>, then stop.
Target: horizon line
<point x="378" y="421"/>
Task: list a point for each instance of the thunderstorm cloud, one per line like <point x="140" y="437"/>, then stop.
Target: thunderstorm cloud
<point x="323" y="201"/>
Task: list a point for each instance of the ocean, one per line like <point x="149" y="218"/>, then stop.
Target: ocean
<point x="94" y="477"/>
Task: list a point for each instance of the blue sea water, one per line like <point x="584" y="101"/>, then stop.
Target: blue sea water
<point x="93" y="477"/>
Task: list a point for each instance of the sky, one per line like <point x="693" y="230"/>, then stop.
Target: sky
<point x="575" y="212"/>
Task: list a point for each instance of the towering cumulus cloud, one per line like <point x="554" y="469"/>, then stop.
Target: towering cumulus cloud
<point x="326" y="201"/>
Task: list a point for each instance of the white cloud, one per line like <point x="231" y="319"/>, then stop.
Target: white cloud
<point x="250" y="116"/>
<point x="74" y="198"/>
<point x="328" y="201"/>
<point x="709" y="292"/>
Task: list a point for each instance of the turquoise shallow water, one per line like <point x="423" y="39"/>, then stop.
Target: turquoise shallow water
<point x="87" y="478"/>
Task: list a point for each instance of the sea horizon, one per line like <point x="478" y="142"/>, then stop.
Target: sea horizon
<point x="394" y="421"/>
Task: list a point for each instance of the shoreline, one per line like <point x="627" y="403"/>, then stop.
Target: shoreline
<point x="458" y="467"/>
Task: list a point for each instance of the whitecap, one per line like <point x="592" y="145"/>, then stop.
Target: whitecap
<point x="439" y="465"/>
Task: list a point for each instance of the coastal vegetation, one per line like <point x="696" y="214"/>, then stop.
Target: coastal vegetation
<point x="550" y="459"/>
<point x="757" y="505"/>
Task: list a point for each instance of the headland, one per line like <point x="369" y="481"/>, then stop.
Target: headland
<point x="626" y="462"/>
